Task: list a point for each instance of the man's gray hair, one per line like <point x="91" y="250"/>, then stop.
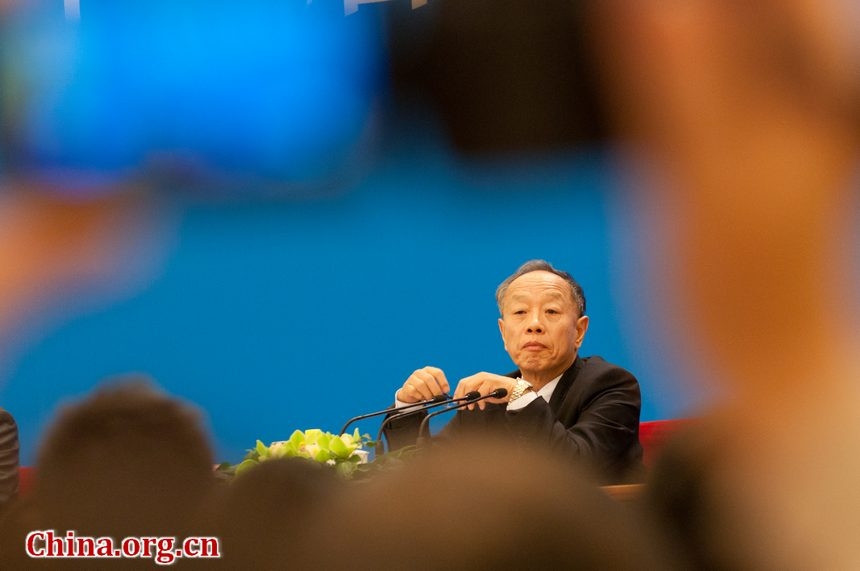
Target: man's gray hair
<point x="543" y="266"/>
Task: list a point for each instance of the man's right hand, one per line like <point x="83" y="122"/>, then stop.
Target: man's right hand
<point x="423" y="384"/>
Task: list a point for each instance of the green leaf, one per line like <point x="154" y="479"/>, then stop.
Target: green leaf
<point x="312" y="435"/>
<point x="261" y="449"/>
<point x="324" y="441"/>
<point x="291" y="448"/>
<point x="297" y="438"/>
<point x="345" y="469"/>
<point x="339" y="449"/>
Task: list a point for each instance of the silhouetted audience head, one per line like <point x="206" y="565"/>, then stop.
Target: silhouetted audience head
<point x="126" y="460"/>
<point x="266" y="511"/>
<point x="481" y="505"/>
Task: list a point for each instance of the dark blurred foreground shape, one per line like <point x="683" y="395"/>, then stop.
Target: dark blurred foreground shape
<point x="125" y="461"/>
<point x="263" y="515"/>
<point x="481" y="505"/>
<point x="504" y="76"/>
<point x="128" y="460"/>
<point x="745" y="117"/>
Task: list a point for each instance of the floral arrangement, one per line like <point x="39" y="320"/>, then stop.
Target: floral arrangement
<point x="344" y="453"/>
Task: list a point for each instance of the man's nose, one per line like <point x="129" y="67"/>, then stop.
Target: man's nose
<point x="535" y="324"/>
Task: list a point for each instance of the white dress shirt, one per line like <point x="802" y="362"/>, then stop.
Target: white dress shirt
<point x="545" y="393"/>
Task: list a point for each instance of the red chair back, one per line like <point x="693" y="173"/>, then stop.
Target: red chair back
<point x="653" y="434"/>
<point x="26" y="479"/>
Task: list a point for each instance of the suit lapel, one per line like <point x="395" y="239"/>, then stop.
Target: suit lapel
<point x="564" y="384"/>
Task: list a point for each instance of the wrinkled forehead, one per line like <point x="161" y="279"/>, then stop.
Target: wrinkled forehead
<point x="539" y="285"/>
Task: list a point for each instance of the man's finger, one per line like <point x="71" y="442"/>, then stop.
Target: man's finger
<point x="438" y="377"/>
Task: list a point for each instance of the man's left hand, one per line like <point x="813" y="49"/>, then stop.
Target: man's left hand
<point x="485" y="383"/>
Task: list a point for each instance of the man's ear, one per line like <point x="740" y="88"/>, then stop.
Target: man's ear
<point x="581" y="328"/>
<point x="502" y="331"/>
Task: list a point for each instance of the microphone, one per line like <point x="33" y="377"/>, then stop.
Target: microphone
<point x="434" y="401"/>
<point x="379" y="445"/>
<point x="496" y="394"/>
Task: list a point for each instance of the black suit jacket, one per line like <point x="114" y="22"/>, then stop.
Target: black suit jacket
<point x="593" y="416"/>
<point x="8" y="457"/>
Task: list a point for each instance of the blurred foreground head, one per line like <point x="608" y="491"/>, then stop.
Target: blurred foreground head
<point x="482" y="505"/>
<point x="748" y="113"/>
<point x="266" y="511"/>
<point x="126" y="460"/>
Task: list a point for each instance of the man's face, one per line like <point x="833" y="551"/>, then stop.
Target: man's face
<point x="541" y="325"/>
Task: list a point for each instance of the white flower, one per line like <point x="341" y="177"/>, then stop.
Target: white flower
<point x="278" y="449"/>
<point x="311" y="450"/>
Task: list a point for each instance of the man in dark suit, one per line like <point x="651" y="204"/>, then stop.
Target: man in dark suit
<point x="8" y="458"/>
<point x="581" y="407"/>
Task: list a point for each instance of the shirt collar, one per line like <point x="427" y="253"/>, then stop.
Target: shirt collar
<point x="546" y="391"/>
